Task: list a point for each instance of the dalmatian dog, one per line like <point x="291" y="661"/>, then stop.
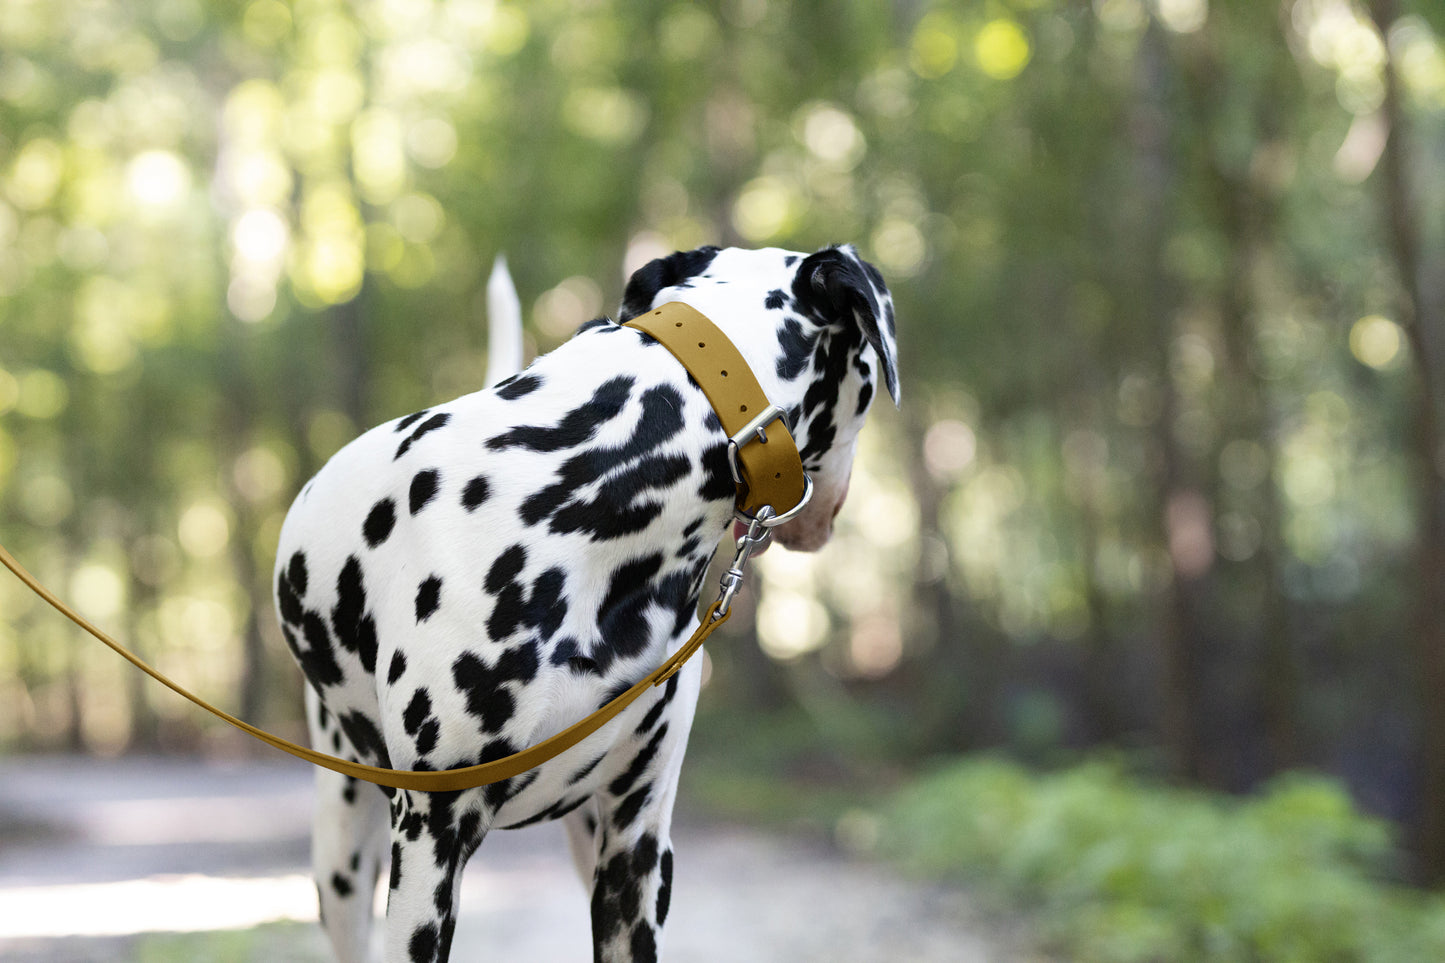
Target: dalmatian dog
<point x="460" y="583"/>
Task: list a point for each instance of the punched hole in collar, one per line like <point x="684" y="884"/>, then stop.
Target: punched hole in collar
<point x="742" y="408"/>
<point x="701" y="345"/>
<point x="724" y="374"/>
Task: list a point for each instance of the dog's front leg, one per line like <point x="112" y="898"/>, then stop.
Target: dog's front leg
<point x="632" y="884"/>
<point x="430" y="847"/>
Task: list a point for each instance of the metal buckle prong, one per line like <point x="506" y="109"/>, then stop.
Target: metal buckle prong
<point x="753" y="430"/>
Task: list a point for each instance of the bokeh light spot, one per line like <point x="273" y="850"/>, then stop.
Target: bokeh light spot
<point x="157" y="178"/>
<point x="765" y="209"/>
<point x="949" y="447"/>
<point x="1001" y="49"/>
<point x="934" y="50"/>
<point x="1375" y="341"/>
<point x="35" y="174"/>
<point x="204" y="529"/>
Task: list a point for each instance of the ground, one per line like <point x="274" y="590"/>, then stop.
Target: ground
<point x="156" y="860"/>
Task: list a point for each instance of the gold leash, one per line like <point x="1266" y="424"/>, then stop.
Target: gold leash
<point x="440" y="781"/>
<point x="737" y="399"/>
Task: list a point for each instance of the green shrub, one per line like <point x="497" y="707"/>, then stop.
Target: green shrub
<point x="1120" y="870"/>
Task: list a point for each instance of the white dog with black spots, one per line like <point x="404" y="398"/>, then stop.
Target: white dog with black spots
<point x="461" y="583"/>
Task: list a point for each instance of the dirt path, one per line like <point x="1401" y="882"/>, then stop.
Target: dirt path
<point x="97" y="859"/>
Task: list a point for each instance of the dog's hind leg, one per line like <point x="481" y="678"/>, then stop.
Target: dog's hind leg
<point x="348" y="845"/>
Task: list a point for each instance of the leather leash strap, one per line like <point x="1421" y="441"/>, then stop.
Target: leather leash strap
<point x="769" y="478"/>
<point x="438" y="781"/>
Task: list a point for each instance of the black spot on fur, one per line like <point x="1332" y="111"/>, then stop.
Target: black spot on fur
<point x="644" y="943"/>
<point x="655" y="713"/>
<point x="379" y="522"/>
<point x="555" y="811"/>
<point x="576" y="427"/>
<point x="717" y="480"/>
<point x="664" y="892"/>
<point x="644" y="855"/>
<point x="355" y="630"/>
<point x="341" y="885"/>
<point x="423" y="944"/>
<point x="428" y="596"/>
<point x="431" y="424"/>
<point x="864" y="398"/>
<point x="484" y="686"/>
<point x="628" y="469"/>
<point x="614" y="892"/>
<point x="475" y="493"/>
<point x="518" y="386"/>
<point x="775" y="299"/>
<point x="426" y="736"/>
<point x="640" y="762"/>
<point x="506" y="568"/>
<point x="416" y="711"/>
<point x="563" y="651"/>
<point x="627" y="813"/>
<point x="398" y="666"/>
<point x="499" y="792"/>
<point x="615" y="511"/>
<point x="365" y="737"/>
<point x="547" y="608"/>
<point x="296" y="572"/>
<point x="410" y="420"/>
<point x="318" y="659"/>
<point x="423" y="489"/>
<point x="621" y="616"/>
<point x="585" y="771"/>
<point x="288" y="599"/>
<point x="797" y="347"/>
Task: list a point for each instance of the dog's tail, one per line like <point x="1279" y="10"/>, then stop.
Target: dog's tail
<point x="504" y="324"/>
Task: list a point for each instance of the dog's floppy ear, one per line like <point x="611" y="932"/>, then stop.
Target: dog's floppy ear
<point x="839" y="287"/>
<point x="664" y="272"/>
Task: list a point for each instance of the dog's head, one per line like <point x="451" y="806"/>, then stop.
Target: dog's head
<point x="817" y="330"/>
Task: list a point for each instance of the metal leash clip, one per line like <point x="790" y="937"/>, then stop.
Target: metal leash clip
<point x="732" y="580"/>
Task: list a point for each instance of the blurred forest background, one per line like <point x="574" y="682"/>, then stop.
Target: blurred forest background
<point x="1170" y="274"/>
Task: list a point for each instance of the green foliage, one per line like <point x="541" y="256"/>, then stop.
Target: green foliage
<point x="272" y="943"/>
<point x="1119" y="870"/>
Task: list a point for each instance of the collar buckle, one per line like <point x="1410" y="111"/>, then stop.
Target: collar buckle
<point x="754" y="430"/>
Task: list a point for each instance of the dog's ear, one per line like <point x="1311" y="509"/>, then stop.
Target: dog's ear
<point x="665" y="272"/>
<point x="837" y="286"/>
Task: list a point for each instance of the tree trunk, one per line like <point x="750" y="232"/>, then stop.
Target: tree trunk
<point x="1179" y="504"/>
<point x="1422" y="319"/>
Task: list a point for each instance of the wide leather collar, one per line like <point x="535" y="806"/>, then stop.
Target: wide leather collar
<point x="763" y="455"/>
